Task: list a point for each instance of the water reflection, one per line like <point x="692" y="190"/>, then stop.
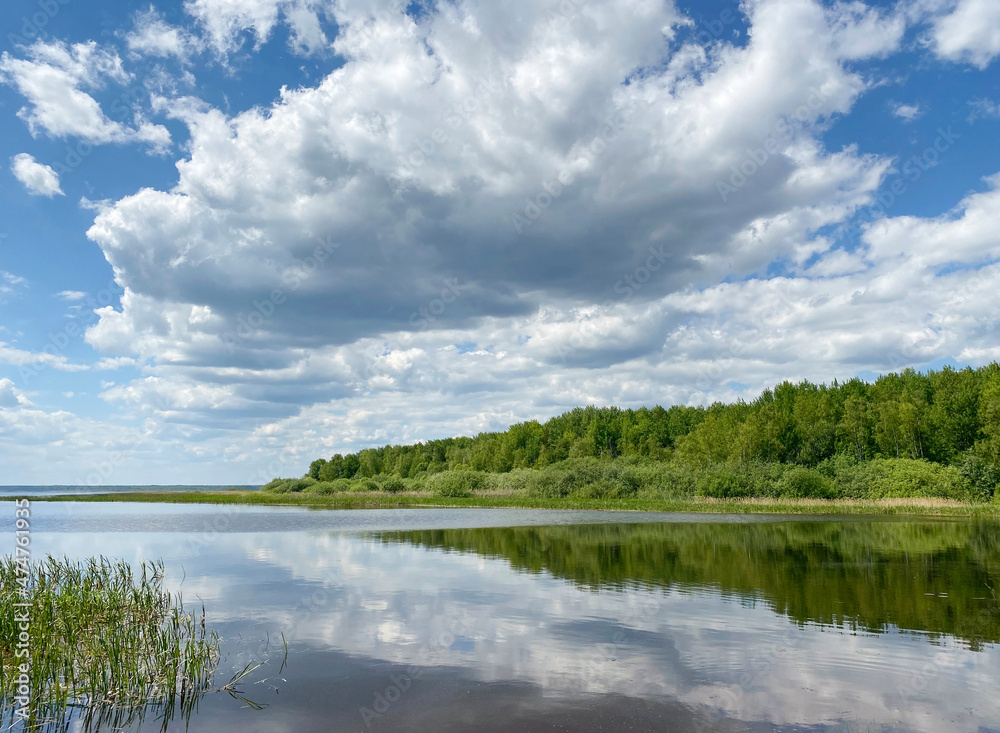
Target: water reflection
<point x="735" y="627"/>
<point x="935" y="577"/>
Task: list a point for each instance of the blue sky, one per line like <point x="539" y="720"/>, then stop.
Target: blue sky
<point x="240" y="235"/>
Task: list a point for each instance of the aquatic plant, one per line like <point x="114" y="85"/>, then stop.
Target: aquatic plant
<point x="106" y="646"/>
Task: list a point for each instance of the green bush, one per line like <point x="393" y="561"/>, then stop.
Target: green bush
<point x="741" y="481"/>
<point x="982" y="475"/>
<point x="414" y="484"/>
<point x="392" y="484"/>
<point x="832" y="467"/>
<point x="604" y="489"/>
<point x="550" y="483"/>
<point x="363" y="485"/>
<point x="720" y="482"/>
<point x="286" y="485"/>
<point x="329" y="487"/>
<point x="514" y="480"/>
<point x="805" y="483"/>
<point x="456" y="483"/>
<point x="300" y="484"/>
<point x="882" y="478"/>
<point x="276" y="486"/>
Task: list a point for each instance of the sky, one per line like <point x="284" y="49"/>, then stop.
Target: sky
<point x="238" y="235"/>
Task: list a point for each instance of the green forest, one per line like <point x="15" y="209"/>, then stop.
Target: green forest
<point x="911" y="434"/>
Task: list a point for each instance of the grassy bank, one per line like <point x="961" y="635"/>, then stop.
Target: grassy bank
<point x="382" y="500"/>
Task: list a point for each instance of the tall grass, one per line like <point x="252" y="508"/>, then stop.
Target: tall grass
<point x="107" y="647"/>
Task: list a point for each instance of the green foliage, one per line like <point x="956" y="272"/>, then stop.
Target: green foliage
<point x="324" y="488"/>
<point x="288" y="485"/>
<point x="885" y="478"/>
<point x="982" y="474"/>
<point x="107" y="645"/>
<point x="806" y="483"/>
<point x="829" y="431"/>
<point x="740" y="481"/>
<point x="315" y="467"/>
<point x="392" y="485"/>
<point x="456" y="483"/>
<point x="300" y="484"/>
<point x="276" y="486"/>
<point x="366" y="484"/>
<point x="512" y="481"/>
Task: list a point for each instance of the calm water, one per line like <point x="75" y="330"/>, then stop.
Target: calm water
<point x="490" y="620"/>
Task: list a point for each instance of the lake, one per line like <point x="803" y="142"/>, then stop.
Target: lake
<point x="495" y="620"/>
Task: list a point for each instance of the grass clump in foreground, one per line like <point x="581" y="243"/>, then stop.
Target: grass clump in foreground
<point x="106" y="647"/>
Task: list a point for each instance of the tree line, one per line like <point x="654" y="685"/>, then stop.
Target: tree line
<point x="948" y="416"/>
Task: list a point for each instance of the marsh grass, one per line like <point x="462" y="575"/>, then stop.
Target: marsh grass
<point x="107" y="647"/>
<point x="520" y="499"/>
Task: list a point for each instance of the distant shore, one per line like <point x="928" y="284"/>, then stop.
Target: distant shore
<point x="416" y="500"/>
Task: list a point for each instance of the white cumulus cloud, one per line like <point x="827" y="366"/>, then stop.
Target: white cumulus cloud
<point x="54" y="77"/>
<point x="37" y="178"/>
<point x="224" y="22"/>
<point x="153" y="36"/>
<point x="907" y="112"/>
<point x="970" y="33"/>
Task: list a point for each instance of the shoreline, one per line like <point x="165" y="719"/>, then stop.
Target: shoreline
<point x="918" y="506"/>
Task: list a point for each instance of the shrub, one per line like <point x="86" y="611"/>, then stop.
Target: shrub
<point x="363" y="484"/>
<point x="329" y="487"/>
<point x="740" y="481"/>
<point x="276" y="486"/>
<point x="904" y="477"/>
<point x="832" y="467"/>
<point x="604" y="489"/>
<point x="805" y="483"/>
<point x="516" y="480"/>
<point x="456" y="483"/>
<point x="300" y="484"/>
<point x="550" y="483"/>
<point x="392" y="484"/>
<point x="414" y="484"/>
<point x="983" y="476"/>
<point x="720" y="482"/>
<point x="662" y="480"/>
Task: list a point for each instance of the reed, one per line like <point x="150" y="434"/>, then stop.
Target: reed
<point x="520" y="499"/>
<point x="107" y="646"/>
